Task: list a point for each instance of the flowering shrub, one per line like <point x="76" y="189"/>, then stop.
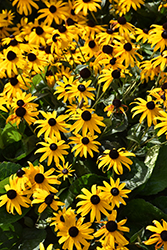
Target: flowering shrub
<point x="83" y="124"/>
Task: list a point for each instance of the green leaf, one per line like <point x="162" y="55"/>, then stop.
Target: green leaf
<point x="7" y="218"/>
<point x="10" y="134"/>
<point x="31" y="238"/>
<point x="161" y="203"/>
<point x="157" y="182"/>
<point x="8" y="168"/>
<point x="139" y="214"/>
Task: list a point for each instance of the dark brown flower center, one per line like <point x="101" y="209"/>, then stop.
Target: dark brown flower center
<point x="73" y="231"/>
<point x="85" y="140"/>
<point x="86" y="115"/>
<point x="111" y="226"/>
<point x="116" y="103"/>
<point x="128" y="46"/>
<point x="145" y="30"/>
<point x="164" y="26"/>
<point x="20" y="172"/>
<point x="52" y="122"/>
<point x="163" y="235"/>
<point x="114" y="191"/>
<point x="91" y="23"/>
<point x="122" y="20"/>
<point x="20" y="103"/>
<point x="113" y="154"/>
<point x="95" y="199"/>
<point x="150" y="105"/>
<point x="85" y="73"/>
<point x="113" y="61"/>
<point x="48" y="49"/>
<point x="65" y="171"/>
<point x="86" y="1"/>
<point x="67" y="87"/>
<point x="62" y="29"/>
<point x="54" y="38"/>
<point x="13" y="81"/>
<point x="73" y="12"/>
<point x="81" y="87"/>
<point x="62" y="218"/>
<point x="11" y="194"/>
<point x="107" y="49"/>
<point x="164" y="34"/>
<point x="13" y="42"/>
<point x="39" y="178"/>
<point x="49" y="199"/>
<point x="92" y="44"/>
<point x="11" y="55"/>
<point x="164" y="86"/>
<point x="70" y="21"/>
<point x="39" y="30"/>
<point x="109" y="31"/>
<point x="53" y="146"/>
<point x="52" y="9"/>
<point x="31" y="57"/>
<point x="116" y="74"/>
<point x="20" y="112"/>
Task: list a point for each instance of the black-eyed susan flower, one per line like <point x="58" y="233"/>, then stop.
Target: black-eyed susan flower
<point x="125" y="29"/>
<point x="47" y="199"/>
<point x="14" y="198"/>
<point x="148" y="70"/>
<point x="115" y="158"/>
<point x="53" y="150"/>
<point x="62" y="218"/>
<point x="114" y="192"/>
<point x="64" y="171"/>
<point x="87" y="121"/>
<point x="160" y="60"/>
<point x="116" y="106"/>
<point x="93" y="202"/>
<point x="148" y="109"/>
<point x="24" y="7"/>
<point x="142" y="34"/>
<point x="160" y="235"/>
<point x="12" y="61"/>
<point x="22" y="181"/>
<point x="82" y="91"/>
<point x="124" y="6"/>
<point x="90" y="29"/>
<point x="112" y="231"/>
<point x="85" y="5"/>
<point x="75" y="234"/>
<point x="56" y="10"/>
<point x="52" y="125"/>
<point x="36" y="61"/>
<point x="158" y="36"/>
<point x="84" y="144"/>
<point x="90" y="48"/>
<point x="127" y="53"/>
<point x="40" y="179"/>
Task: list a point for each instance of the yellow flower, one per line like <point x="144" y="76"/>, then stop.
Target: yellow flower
<point x="64" y="171"/>
<point x="86" y="5"/>
<point x="160" y="235"/>
<point x="112" y="231"/>
<point x="53" y="150"/>
<point x="24" y="6"/>
<point x="115" y="158"/>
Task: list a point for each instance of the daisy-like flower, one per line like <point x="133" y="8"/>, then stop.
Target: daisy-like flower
<point x="56" y="10"/>
<point x="107" y="37"/>
<point x="12" y="61"/>
<point x="40" y="179"/>
<point x="127" y="53"/>
<point x="50" y="247"/>
<point x="125" y="29"/>
<point x="62" y="218"/>
<point x="116" y="106"/>
<point x="22" y="181"/>
<point x="107" y="76"/>
<point x="24" y="6"/>
<point x="85" y="144"/>
<point x="114" y="192"/>
<point x="93" y="202"/>
<point x="53" y="150"/>
<point x="14" y="198"/>
<point x="76" y="234"/>
<point x="158" y="36"/>
<point x="90" y="29"/>
<point x="47" y="199"/>
<point x="64" y="171"/>
<point x="148" y="109"/>
<point x="36" y="61"/>
<point x="125" y="5"/>
<point x="160" y="235"/>
<point x="160" y="61"/>
<point x="87" y="121"/>
<point x="85" y="5"/>
<point x="115" y="158"/>
<point x="82" y="91"/>
<point x="63" y="89"/>
<point x="52" y="125"/>
<point x="148" y="70"/>
<point x="112" y="231"/>
<point x="142" y="34"/>
<point x="90" y="48"/>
